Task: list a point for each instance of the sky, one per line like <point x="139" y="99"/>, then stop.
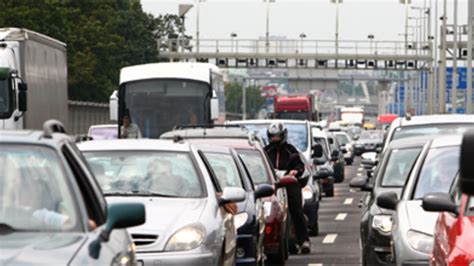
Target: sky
<point x="385" y="19"/>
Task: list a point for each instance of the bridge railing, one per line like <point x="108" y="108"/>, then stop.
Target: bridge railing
<point x="292" y="46"/>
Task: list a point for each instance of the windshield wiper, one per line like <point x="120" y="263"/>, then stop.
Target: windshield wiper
<point x="147" y="193"/>
<point x="8" y="229"/>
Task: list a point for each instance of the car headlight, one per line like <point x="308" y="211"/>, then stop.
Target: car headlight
<point x="382" y="223"/>
<point x="240" y="219"/>
<point x="267" y="207"/>
<point x="420" y="241"/>
<point x="307" y="193"/>
<point x="122" y="260"/>
<point x="186" y="238"/>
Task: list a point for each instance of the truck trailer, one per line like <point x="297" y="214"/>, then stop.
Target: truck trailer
<point x="33" y="79"/>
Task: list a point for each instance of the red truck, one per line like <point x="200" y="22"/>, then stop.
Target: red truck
<point x="295" y="107"/>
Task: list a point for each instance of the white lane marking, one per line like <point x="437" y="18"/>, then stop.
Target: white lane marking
<point x="360" y="169"/>
<point x="341" y="216"/>
<point x="359" y="174"/>
<point x="315" y="264"/>
<point x="330" y="239"/>
<point x="348" y="201"/>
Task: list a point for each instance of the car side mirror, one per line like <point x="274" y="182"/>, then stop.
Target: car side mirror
<point x="317" y="150"/>
<point x="378" y="149"/>
<point x="286" y="181"/>
<point x="335" y="155"/>
<point x="358" y="182"/>
<point x="119" y="216"/>
<point x="232" y="194"/>
<point x="387" y="200"/>
<point x="22" y="97"/>
<point x="214" y="109"/>
<point x="355" y="137"/>
<point x="466" y="180"/>
<point x="439" y="202"/>
<point x="263" y="191"/>
<point x="113" y="106"/>
<point x="280" y="174"/>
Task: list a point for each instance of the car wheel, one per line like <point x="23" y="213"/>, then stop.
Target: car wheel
<point x="330" y="193"/>
<point x="280" y="257"/>
<point x="349" y="162"/>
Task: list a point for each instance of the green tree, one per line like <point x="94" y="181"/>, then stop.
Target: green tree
<point x="101" y="37"/>
<point x="233" y="99"/>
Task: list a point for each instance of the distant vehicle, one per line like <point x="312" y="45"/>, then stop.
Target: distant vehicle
<point x="260" y="170"/>
<point x="186" y="222"/>
<point x="28" y="57"/>
<point x="100" y="132"/>
<point x="404" y="127"/>
<point x="454" y="236"/>
<point x="158" y="96"/>
<point x="413" y="228"/>
<point x="346" y="146"/>
<point x="369" y="140"/>
<point x="352" y="115"/>
<point x="386" y="119"/>
<point x="52" y="209"/>
<point x="295" y="107"/>
<point x="376" y="223"/>
<point x="325" y="168"/>
<point x="337" y="158"/>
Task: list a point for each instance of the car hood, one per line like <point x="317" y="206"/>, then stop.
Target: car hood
<point x="419" y="219"/>
<point x="165" y="214"/>
<point x="42" y="248"/>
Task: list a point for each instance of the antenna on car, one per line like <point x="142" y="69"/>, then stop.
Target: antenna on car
<point x="178" y="139"/>
<point x="408" y="116"/>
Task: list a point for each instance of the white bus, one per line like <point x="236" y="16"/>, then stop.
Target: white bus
<point x="159" y="96"/>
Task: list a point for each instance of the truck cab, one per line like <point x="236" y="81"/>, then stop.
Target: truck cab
<point x="295" y="107"/>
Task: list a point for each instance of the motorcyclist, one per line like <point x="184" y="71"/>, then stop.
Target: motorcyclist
<point x="285" y="157"/>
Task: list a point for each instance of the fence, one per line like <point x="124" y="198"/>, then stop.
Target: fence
<point x="84" y="114"/>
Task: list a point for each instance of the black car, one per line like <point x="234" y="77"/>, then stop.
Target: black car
<point x="376" y="223"/>
<point x="337" y="158"/>
<point x="369" y="140"/>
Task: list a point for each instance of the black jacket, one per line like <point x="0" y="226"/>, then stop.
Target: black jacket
<point x="285" y="158"/>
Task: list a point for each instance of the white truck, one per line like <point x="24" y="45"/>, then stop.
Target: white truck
<point x="33" y="64"/>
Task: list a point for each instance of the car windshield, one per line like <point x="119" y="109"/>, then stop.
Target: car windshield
<point x="430" y="130"/>
<point x="398" y="166"/>
<point x="100" y="133"/>
<point x="342" y="138"/>
<point x="255" y="164"/>
<point x="371" y="134"/>
<point x="438" y="171"/>
<point x="225" y="169"/>
<point x="297" y="134"/>
<point x="167" y="174"/>
<point x="34" y="192"/>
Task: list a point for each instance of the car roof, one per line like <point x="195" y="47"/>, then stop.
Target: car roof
<point x="233" y="143"/>
<point x="446" y="141"/>
<point x="226" y="132"/>
<point x="410" y="142"/>
<point x="105" y="126"/>
<point x="32" y="137"/>
<point x="208" y="147"/>
<point x="434" y="119"/>
<point x="267" y="121"/>
<point x="134" y="145"/>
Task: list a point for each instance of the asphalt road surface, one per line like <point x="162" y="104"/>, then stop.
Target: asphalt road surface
<point x="338" y="240"/>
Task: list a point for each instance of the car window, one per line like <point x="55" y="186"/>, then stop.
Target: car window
<point x="438" y="171"/>
<point x="398" y="166"/>
<point x="343" y="139"/>
<point x="429" y="130"/>
<point x="225" y="169"/>
<point x="34" y="190"/>
<point x="256" y="166"/>
<point x="169" y="174"/>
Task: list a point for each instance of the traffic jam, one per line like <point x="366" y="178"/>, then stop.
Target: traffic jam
<point x="168" y="185"/>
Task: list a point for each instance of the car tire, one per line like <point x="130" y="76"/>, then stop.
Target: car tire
<point x="349" y="162"/>
<point x="280" y="257"/>
<point x="368" y="260"/>
<point x="330" y="193"/>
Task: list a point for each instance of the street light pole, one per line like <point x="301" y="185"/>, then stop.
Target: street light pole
<point x="454" y="89"/>
<point x="198" y="7"/>
<point x="302" y="36"/>
<point x="442" y="63"/>
<point x="267" y="34"/>
<point x="337" y="2"/>
<point x="469" y="61"/>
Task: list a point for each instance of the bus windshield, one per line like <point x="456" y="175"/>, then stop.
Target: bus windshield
<point x="157" y="105"/>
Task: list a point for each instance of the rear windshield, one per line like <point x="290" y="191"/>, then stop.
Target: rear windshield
<point x="297" y="134"/>
<point x="430" y="130"/>
<point x="398" y="167"/>
<point x="342" y="138"/>
<point x="438" y="171"/>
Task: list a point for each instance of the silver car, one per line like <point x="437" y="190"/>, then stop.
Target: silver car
<point x="413" y="228"/>
<point x="186" y="223"/>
